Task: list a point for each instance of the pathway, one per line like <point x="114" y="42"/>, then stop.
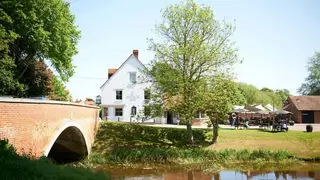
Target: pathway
<point x="296" y="127"/>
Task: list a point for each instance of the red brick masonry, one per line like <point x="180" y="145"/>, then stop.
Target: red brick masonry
<point x="33" y="125"/>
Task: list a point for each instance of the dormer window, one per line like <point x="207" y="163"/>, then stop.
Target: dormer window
<point x="133" y="77"/>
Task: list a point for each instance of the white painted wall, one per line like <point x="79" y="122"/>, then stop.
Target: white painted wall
<point x="132" y="94"/>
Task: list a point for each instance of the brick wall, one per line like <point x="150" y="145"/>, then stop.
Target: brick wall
<point x="31" y="125"/>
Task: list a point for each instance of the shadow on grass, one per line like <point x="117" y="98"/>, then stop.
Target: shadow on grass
<point x="124" y="135"/>
<point x="271" y="131"/>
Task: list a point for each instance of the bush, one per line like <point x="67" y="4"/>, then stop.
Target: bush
<point x="309" y="128"/>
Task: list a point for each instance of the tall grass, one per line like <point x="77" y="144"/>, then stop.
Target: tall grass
<point x="14" y="166"/>
<point x="186" y="156"/>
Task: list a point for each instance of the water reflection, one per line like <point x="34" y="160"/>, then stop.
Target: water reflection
<point x="226" y="175"/>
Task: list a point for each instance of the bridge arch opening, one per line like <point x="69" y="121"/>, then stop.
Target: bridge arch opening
<point x="70" y="146"/>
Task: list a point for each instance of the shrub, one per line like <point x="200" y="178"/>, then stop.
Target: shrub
<point x="309" y="128"/>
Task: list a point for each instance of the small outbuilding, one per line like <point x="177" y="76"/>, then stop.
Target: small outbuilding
<point x="305" y="109"/>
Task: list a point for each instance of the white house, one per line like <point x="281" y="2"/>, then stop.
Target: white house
<point x="122" y="98"/>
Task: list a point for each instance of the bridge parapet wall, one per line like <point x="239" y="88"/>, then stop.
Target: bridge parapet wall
<point x="32" y="126"/>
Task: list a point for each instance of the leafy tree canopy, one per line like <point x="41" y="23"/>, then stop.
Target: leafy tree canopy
<point x="265" y="96"/>
<point x="31" y="32"/>
<point x="194" y="45"/>
<point x="45" y="30"/>
<point x="312" y="84"/>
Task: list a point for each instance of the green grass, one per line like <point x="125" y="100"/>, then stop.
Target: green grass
<point x="188" y="156"/>
<point x="131" y="136"/>
<point x="300" y="144"/>
<point x="113" y="135"/>
<point x="18" y="167"/>
<point x="132" y="144"/>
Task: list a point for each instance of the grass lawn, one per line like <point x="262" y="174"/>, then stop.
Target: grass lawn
<point x="301" y="144"/>
<point x="114" y="136"/>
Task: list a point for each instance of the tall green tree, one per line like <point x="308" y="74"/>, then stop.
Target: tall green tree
<point x="312" y="84"/>
<point x="283" y="94"/>
<point x="45" y="30"/>
<point x="9" y="85"/>
<point x="250" y="92"/>
<point x="223" y="92"/>
<point x="195" y="45"/>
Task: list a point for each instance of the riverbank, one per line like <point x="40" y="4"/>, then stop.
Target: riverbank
<point x="15" y="167"/>
<point x="135" y="145"/>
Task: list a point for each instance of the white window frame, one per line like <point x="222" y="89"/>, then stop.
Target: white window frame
<point x="121" y="94"/>
<point x="131" y="76"/>
<point x="115" y="112"/>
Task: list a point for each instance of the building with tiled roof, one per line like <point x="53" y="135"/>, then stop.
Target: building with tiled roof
<point x="305" y="109"/>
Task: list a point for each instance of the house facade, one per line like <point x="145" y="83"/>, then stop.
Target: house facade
<point x="305" y="109"/>
<point x="123" y="94"/>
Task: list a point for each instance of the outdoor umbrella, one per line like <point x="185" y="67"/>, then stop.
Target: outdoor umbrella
<point x="240" y="110"/>
<point x="281" y="112"/>
<point x="262" y="112"/>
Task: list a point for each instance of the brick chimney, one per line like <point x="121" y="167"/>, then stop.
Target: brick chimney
<point x="111" y="72"/>
<point x="135" y="52"/>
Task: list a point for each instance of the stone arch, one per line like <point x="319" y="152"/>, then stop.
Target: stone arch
<point x="68" y="144"/>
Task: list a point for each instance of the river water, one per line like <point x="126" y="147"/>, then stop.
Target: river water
<point x="145" y="174"/>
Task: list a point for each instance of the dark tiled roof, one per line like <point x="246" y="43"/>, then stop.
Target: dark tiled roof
<point x="311" y="103"/>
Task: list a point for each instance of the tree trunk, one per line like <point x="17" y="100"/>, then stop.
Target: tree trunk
<point x="215" y="131"/>
<point x="190" y="175"/>
<point x="216" y="176"/>
<point x="190" y="134"/>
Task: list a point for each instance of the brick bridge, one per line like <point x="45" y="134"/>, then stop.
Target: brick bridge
<point x="60" y="130"/>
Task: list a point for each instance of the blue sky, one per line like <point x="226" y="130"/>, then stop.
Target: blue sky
<point x="275" y="38"/>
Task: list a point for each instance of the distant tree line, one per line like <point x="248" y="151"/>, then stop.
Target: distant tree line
<point x="33" y="34"/>
<point x="249" y="94"/>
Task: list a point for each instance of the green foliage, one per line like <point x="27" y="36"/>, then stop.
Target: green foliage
<point x="161" y="155"/>
<point x="45" y="30"/>
<point x="264" y="96"/>
<point x="7" y="66"/>
<point x="192" y="45"/>
<point x="224" y="93"/>
<point x="30" y="33"/>
<point x="59" y="91"/>
<point x="17" y="167"/>
<point x="312" y="84"/>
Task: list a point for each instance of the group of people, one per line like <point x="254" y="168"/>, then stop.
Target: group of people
<point x="236" y="122"/>
<point x="280" y="123"/>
